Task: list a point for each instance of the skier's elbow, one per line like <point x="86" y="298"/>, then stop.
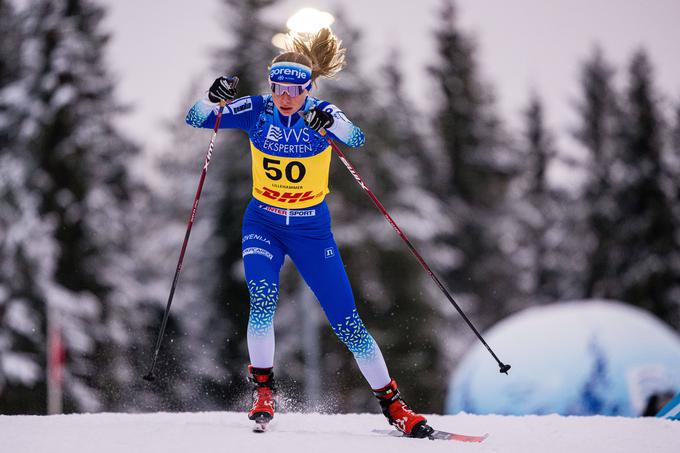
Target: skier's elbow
<point x="199" y="115"/>
<point x="195" y="119"/>
<point x="356" y="139"/>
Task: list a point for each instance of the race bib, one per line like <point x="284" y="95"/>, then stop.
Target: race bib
<point x="290" y="182"/>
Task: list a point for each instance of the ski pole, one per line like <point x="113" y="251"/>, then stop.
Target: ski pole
<point x="150" y="376"/>
<point x="503" y="367"/>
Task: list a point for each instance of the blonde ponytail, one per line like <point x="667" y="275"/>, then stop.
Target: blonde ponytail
<point x="323" y="52"/>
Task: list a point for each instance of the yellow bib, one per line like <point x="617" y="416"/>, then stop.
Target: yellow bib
<point x="293" y="183"/>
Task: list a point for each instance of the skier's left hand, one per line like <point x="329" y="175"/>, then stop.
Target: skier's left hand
<point x="318" y="119"/>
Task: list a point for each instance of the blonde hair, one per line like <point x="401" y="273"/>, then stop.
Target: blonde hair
<point x="323" y="52"/>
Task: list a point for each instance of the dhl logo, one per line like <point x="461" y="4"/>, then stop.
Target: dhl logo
<point x="287" y="197"/>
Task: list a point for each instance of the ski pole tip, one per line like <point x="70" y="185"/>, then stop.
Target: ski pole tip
<point x="504" y="368"/>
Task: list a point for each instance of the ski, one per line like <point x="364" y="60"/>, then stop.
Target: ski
<point x="436" y="435"/>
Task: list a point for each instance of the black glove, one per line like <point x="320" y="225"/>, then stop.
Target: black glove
<point x="223" y="89"/>
<point x="318" y="119"/>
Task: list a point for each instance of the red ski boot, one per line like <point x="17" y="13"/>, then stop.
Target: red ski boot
<point x="263" y="395"/>
<point x="399" y="414"/>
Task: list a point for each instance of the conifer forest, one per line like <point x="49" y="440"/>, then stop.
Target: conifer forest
<point x="91" y="222"/>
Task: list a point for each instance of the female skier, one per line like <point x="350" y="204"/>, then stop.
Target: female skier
<point x="288" y="215"/>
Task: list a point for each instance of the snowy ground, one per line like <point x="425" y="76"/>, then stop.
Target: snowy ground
<point x="290" y="432"/>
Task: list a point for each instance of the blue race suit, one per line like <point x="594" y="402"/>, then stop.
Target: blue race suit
<point x="288" y="216"/>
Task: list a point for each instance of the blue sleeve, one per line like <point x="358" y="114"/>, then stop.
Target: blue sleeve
<point x="240" y="114"/>
<point x="343" y="129"/>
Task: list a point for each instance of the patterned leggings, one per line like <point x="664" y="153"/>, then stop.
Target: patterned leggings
<point x="267" y="238"/>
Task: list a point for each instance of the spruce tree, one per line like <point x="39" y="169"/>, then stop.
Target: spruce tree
<point x="547" y="235"/>
<point x="78" y="167"/>
<point x="646" y="242"/>
<point x="26" y="250"/>
<point x="536" y="213"/>
<point x="27" y="256"/>
<point x="672" y="165"/>
<point x="599" y="113"/>
<point x="540" y="148"/>
<point x="477" y="166"/>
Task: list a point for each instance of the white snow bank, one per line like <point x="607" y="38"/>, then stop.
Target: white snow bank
<point x="570" y="358"/>
<point x="224" y="432"/>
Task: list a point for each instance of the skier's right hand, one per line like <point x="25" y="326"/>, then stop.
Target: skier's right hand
<point x="223" y="89"/>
